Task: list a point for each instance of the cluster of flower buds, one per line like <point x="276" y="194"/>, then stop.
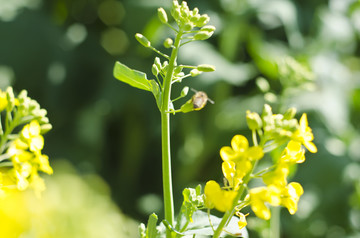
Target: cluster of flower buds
<point x="21" y="157"/>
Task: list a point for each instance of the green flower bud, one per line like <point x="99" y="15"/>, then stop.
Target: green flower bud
<point x="290" y="113"/>
<point x="253" y="120"/>
<point x="203" y="35"/>
<point x="195" y="72"/>
<point x="142" y="40"/>
<point x="195" y="11"/>
<point x="10" y="98"/>
<point x="162" y="15"/>
<point x="45" y="128"/>
<point x="178" y="69"/>
<point x="188" y="27"/>
<point x="155" y="70"/>
<point x="208" y="28"/>
<point x="157" y="62"/>
<point x="206" y="68"/>
<point x="203" y="20"/>
<point x="168" y="43"/>
<point x="267" y="110"/>
<point x="184" y="91"/>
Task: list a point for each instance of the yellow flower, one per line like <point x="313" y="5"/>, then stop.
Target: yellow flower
<point x="240" y="150"/>
<point x="235" y="172"/>
<point x="258" y="197"/>
<point x="304" y="134"/>
<point x="43" y="162"/>
<point x="293" y="153"/>
<point x="242" y="220"/>
<point x="215" y="197"/>
<point x="277" y="176"/>
<point x="3" y="100"/>
<point x="291" y="195"/>
<point x="31" y="134"/>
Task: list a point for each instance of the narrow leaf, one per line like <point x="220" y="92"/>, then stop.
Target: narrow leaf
<point x="151" y="231"/>
<point x="132" y="77"/>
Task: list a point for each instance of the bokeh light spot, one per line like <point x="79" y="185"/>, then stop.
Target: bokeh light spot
<point x="111" y="12"/>
<point x="114" y="41"/>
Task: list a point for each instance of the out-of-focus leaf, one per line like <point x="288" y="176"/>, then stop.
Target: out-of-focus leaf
<point x="151" y="231"/>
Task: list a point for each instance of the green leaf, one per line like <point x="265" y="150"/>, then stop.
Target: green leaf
<point x="132" y="77"/>
<point x="201" y="226"/>
<point x="151" y="231"/>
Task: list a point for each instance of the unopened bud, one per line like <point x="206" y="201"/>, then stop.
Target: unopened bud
<point x="290" y="113"/>
<point x="188" y="27"/>
<point x="162" y="15"/>
<point x="208" y="28"/>
<point x="155" y="70"/>
<point x="203" y="35"/>
<point x="142" y="40"/>
<point x="206" y="68"/>
<point x="253" y="120"/>
<point x="168" y="43"/>
<point x="195" y="72"/>
<point x="45" y="128"/>
<point x="203" y="20"/>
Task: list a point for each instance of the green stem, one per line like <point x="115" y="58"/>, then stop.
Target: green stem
<point x="275" y="222"/>
<point x="240" y="196"/>
<point x="165" y="137"/>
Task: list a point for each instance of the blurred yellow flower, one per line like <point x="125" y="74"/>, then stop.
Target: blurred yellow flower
<point x="291" y="195"/>
<point x="3" y="100"/>
<point x="304" y="134"/>
<point x="31" y="134"/>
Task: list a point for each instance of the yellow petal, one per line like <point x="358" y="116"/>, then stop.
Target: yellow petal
<point x="239" y="143"/>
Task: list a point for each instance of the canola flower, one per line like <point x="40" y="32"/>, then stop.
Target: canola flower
<point x="21" y="157"/>
<point x="240" y="161"/>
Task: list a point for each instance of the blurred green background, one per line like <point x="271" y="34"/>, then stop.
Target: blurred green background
<point x="63" y="53"/>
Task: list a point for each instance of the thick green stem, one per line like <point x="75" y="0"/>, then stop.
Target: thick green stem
<point x="165" y="137"/>
<point x="275" y="222"/>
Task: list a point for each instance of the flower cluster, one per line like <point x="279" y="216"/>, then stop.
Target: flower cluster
<point x="240" y="161"/>
<point x="21" y="153"/>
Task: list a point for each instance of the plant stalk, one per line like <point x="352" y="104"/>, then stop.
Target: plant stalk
<point x="165" y="137"/>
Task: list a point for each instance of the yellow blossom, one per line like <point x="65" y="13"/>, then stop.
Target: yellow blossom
<point x="293" y="153"/>
<point x="304" y="134"/>
<point x="215" y="197"/>
<point x="242" y="220"/>
<point x="3" y="100"/>
<point x="291" y="195"/>
<point x="240" y="150"/>
<point x="31" y="134"/>
<point x="277" y="176"/>
<point x="258" y="197"/>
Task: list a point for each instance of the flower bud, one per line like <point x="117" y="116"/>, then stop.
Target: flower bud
<point x="195" y="72"/>
<point x="188" y="27"/>
<point x="290" y="113"/>
<point x="157" y="62"/>
<point x="203" y="35"/>
<point x="162" y="15"/>
<point x="203" y="20"/>
<point x="253" y="120"/>
<point x="45" y="128"/>
<point x="155" y="70"/>
<point x="208" y="28"/>
<point x="142" y="40"/>
<point x="168" y="43"/>
<point x="184" y="91"/>
<point x="206" y="68"/>
<point x="10" y="98"/>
